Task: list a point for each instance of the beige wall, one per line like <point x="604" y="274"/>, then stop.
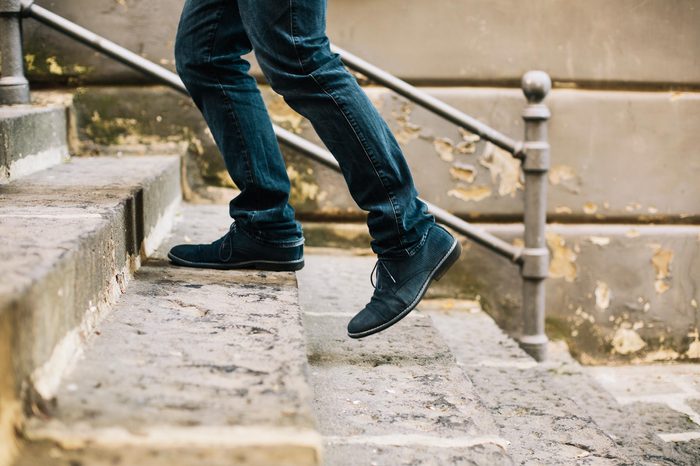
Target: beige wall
<point x="599" y="43"/>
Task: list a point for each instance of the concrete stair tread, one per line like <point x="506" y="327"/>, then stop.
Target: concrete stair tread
<point x="393" y="398"/>
<point x="192" y="366"/>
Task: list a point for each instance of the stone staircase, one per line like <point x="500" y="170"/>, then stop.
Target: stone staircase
<point x="191" y="367"/>
<point x="106" y="358"/>
<point x="71" y="236"/>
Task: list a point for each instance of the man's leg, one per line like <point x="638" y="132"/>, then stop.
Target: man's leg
<point x="293" y="51"/>
<point x="209" y="45"/>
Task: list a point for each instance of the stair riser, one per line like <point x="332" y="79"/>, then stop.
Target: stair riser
<point x="31" y="139"/>
<point x="263" y="454"/>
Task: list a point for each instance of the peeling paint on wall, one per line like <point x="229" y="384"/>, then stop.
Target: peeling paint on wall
<point x="694" y="348"/>
<point x="407" y="131"/>
<point x="468" y="143"/>
<point x="29" y="62"/>
<point x="661" y="354"/>
<point x="463" y="172"/>
<point x="445" y="149"/>
<point x="563" y="260"/>
<point x="283" y="115"/>
<point x="110" y="131"/>
<point x="562" y="209"/>
<point x="471" y="193"/>
<point x="627" y="341"/>
<point x="33" y="64"/>
<point x="584" y="316"/>
<point x="565" y="176"/>
<point x="631" y="207"/>
<point x="590" y="208"/>
<point x="599" y="240"/>
<point x="54" y="67"/>
<point x="661" y="260"/>
<point x="504" y="169"/>
<point x="602" y="295"/>
<point x="303" y="189"/>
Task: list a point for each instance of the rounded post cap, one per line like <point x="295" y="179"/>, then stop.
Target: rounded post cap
<point x="536" y="85"/>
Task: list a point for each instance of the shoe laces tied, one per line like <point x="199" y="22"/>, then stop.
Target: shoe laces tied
<point x="227" y="240"/>
<point x="375" y="273"/>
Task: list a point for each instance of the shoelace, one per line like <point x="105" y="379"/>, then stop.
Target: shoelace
<point x="227" y="240"/>
<point x="374" y="270"/>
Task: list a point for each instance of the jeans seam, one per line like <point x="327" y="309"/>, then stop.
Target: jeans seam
<point x="294" y="37"/>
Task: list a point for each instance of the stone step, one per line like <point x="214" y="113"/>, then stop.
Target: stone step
<point x="70" y="237"/>
<point x="192" y="367"/>
<point x="552" y="413"/>
<point x="33" y="137"/>
<point x="392" y="399"/>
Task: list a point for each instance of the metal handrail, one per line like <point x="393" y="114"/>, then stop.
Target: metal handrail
<point x="428" y="102"/>
<point x="533" y="258"/>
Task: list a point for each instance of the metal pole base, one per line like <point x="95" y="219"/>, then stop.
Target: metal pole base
<point x="535" y="346"/>
<point x="11" y="94"/>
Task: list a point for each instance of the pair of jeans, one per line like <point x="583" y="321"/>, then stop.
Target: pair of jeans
<point x="293" y="51"/>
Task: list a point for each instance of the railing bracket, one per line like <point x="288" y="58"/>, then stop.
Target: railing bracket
<point x="534" y="263"/>
<point x="536" y="156"/>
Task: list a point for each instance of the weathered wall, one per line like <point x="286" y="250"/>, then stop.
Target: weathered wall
<point x="626" y="108"/>
<point x="596" y="137"/>
<point x="599" y="42"/>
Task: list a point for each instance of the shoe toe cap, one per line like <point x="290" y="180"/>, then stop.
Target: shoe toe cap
<point x="364" y="321"/>
<point x="182" y="251"/>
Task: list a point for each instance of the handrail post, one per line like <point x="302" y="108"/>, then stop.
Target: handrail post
<point x="535" y="256"/>
<point x="14" y="87"/>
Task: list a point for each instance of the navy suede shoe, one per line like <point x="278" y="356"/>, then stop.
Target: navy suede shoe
<point x="238" y="250"/>
<point x="402" y="283"/>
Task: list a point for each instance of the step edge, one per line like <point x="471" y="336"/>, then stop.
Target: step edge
<point x="167" y="436"/>
<point x="46" y="379"/>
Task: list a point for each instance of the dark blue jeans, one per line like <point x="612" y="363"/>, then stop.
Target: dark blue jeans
<point x="293" y="51"/>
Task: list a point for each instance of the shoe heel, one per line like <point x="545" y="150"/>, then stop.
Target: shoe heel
<point x="448" y="262"/>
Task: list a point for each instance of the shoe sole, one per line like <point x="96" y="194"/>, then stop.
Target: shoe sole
<point x="273" y="266"/>
<point x="443" y="266"/>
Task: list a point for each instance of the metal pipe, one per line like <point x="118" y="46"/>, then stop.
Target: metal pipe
<point x="429" y="102"/>
<point x="109" y="48"/>
<point x="535" y="257"/>
<point x="14" y="87"/>
<point x="288" y="138"/>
